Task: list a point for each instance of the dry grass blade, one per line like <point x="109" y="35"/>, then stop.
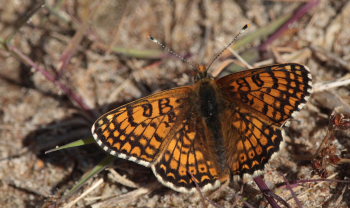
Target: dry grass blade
<point x="125" y="199"/>
<point x="330" y="58"/>
<point x="344" y="81"/>
<point x="86" y="192"/>
<point x="121" y="179"/>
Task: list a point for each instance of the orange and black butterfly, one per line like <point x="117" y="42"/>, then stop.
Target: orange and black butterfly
<point x="208" y="131"/>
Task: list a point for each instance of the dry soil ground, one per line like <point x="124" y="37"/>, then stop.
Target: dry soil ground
<point x="69" y="61"/>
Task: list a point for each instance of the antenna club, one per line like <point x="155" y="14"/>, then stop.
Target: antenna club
<point x="202" y="68"/>
<point x="228" y="45"/>
<point x="245" y="27"/>
<point x="151" y="37"/>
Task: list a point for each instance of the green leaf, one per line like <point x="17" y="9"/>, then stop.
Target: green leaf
<point x="98" y="168"/>
<point x="262" y="32"/>
<point x="144" y="54"/>
<point x="77" y="143"/>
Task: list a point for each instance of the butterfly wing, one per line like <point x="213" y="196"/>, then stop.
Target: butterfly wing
<point x="273" y="92"/>
<point x="189" y="158"/>
<point x="250" y="141"/>
<point x="162" y="131"/>
<point x="139" y="130"/>
<point x="259" y="101"/>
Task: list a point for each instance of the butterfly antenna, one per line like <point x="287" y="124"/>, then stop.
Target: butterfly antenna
<point x="227" y="46"/>
<point x="171" y="52"/>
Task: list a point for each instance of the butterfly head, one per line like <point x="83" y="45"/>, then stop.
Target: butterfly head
<point x="202" y="72"/>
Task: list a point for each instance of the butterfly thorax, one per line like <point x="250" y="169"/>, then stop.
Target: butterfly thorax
<point x="209" y="109"/>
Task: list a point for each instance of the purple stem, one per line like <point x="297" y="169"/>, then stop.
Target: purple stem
<point x="264" y="189"/>
<point x="68" y="91"/>
<point x="292" y="192"/>
<point x="301" y="11"/>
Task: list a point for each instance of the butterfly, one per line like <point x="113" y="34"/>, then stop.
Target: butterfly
<point x="209" y="131"/>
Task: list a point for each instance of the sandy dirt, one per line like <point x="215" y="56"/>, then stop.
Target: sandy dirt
<point x="72" y="61"/>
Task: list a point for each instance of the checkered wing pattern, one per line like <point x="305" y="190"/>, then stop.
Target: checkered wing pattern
<point x="138" y="131"/>
<point x="198" y="134"/>
<point x="259" y="101"/>
<point x="250" y="141"/>
<point x="189" y="158"/>
<point x="272" y="93"/>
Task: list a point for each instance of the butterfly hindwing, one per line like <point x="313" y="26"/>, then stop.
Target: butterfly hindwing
<point x="187" y="158"/>
<point x="250" y="141"/>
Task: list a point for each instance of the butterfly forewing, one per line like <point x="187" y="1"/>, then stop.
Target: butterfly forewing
<point x="138" y="131"/>
<point x="273" y="92"/>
